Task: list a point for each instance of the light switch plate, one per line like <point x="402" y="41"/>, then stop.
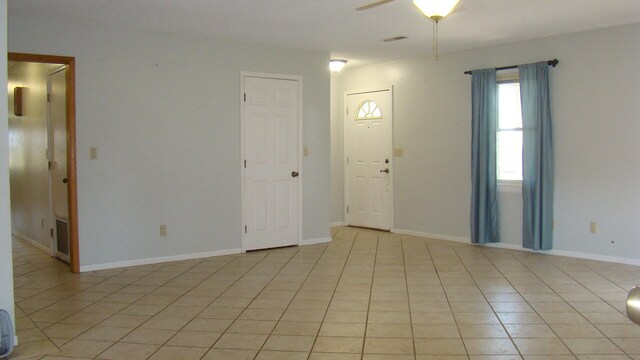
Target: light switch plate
<point x="398" y="152"/>
<point x="305" y="151"/>
<point x="93" y="153"/>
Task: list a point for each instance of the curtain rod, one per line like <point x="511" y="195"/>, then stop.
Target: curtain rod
<point x="552" y="63"/>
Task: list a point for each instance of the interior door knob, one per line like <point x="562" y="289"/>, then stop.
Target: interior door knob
<point x="385" y="170"/>
<point x="294" y="174"/>
<point x="64" y="181"/>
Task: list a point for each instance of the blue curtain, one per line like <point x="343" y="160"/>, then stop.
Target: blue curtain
<point x="484" y="123"/>
<point x="537" y="157"/>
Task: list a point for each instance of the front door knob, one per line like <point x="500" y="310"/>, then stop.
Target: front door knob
<point x="64" y="181"/>
<point x="385" y="170"/>
<point x="294" y="174"/>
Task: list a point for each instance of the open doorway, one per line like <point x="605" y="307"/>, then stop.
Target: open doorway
<point x="41" y="91"/>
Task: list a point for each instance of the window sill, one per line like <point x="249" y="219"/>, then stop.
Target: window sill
<point x="510" y="186"/>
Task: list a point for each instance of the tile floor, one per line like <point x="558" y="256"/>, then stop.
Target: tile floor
<point x="367" y="295"/>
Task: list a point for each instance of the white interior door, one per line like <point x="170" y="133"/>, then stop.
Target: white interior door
<point x="369" y="141"/>
<point x="271" y="153"/>
<point x="57" y="107"/>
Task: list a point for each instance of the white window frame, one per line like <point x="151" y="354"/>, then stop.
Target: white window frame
<point x="508" y="186"/>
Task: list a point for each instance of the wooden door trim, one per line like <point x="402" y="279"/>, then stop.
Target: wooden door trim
<point x="72" y="193"/>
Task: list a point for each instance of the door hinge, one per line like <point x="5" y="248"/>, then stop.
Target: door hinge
<point x="245" y="97"/>
<point x="245" y="163"/>
<point x="347" y="160"/>
<point x="347" y="209"/>
<point x="51" y="232"/>
<point x="245" y="229"/>
<point x="48" y="97"/>
<point x="49" y="165"/>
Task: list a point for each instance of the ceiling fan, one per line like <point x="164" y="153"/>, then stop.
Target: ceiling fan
<point x="435" y="10"/>
<point x="374" y="4"/>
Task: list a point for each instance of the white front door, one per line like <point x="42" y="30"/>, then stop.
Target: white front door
<point x="368" y="148"/>
<point x="57" y="107"/>
<point x="271" y="152"/>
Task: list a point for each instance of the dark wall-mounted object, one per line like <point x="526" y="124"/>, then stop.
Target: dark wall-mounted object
<point x="17" y="100"/>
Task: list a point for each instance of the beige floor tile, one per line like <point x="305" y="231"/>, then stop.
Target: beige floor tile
<point x="388" y="346"/>
<point x="241" y="341"/>
<point x="125" y="320"/>
<point x="389" y="317"/>
<point x="289" y="343"/>
<point x="275" y="302"/>
<point x="252" y="326"/>
<point x="29" y="335"/>
<point x="65" y="331"/>
<point x="84" y="348"/>
<point x="149" y="336"/>
<point x="520" y="318"/>
<point x="541" y="346"/>
<point x="105" y="333"/>
<point x="215" y="325"/>
<point x="387" y="357"/>
<point x="628" y="345"/>
<point x="282" y="355"/>
<point x="342" y="329"/>
<point x="490" y="347"/>
<point x="338" y="344"/>
<point x="620" y="330"/>
<point x="592" y="346"/>
<point x="126" y="351"/>
<point x="358" y="317"/>
<point x="178" y="353"/>
<point x="333" y="356"/>
<point x="432" y="318"/>
<point x="230" y="354"/>
<point x="296" y="328"/>
<point x="472" y="331"/>
<point x="436" y="331"/>
<point x="389" y="330"/>
<point x="535" y="331"/>
<point x="439" y="347"/>
<point x="576" y="331"/>
<point x="194" y="339"/>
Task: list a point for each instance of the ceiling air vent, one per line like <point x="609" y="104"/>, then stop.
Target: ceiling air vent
<point x="395" y="38"/>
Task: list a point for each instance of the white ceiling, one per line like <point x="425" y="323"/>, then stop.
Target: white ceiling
<point x="335" y="26"/>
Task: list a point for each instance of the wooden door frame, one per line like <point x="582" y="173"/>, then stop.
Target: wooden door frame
<point x="345" y="139"/>
<point x="72" y="186"/>
<point x="299" y="80"/>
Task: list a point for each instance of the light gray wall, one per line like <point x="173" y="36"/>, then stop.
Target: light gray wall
<point x="337" y="150"/>
<point x="164" y="113"/>
<point x="6" y="267"/>
<point x="595" y="112"/>
<point x="29" y="172"/>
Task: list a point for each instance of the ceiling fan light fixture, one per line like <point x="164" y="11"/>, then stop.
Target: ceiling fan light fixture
<point x="436" y="9"/>
<point x="336" y="65"/>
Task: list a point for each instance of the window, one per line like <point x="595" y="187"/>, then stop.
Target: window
<point x="368" y="110"/>
<point x="509" y="147"/>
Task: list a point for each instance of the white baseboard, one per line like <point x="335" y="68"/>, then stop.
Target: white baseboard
<point x="568" y="253"/>
<point x="315" y="241"/>
<point x="31" y="241"/>
<point x="157" y="260"/>
<point x="555" y="252"/>
<point x="338" y="223"/>
<point x="431" y="236"/>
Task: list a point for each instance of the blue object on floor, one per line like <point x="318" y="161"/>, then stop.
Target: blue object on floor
<point x="6" y="334"/>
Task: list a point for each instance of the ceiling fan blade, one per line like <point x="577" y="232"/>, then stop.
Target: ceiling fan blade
<point x="374" y="4"/>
